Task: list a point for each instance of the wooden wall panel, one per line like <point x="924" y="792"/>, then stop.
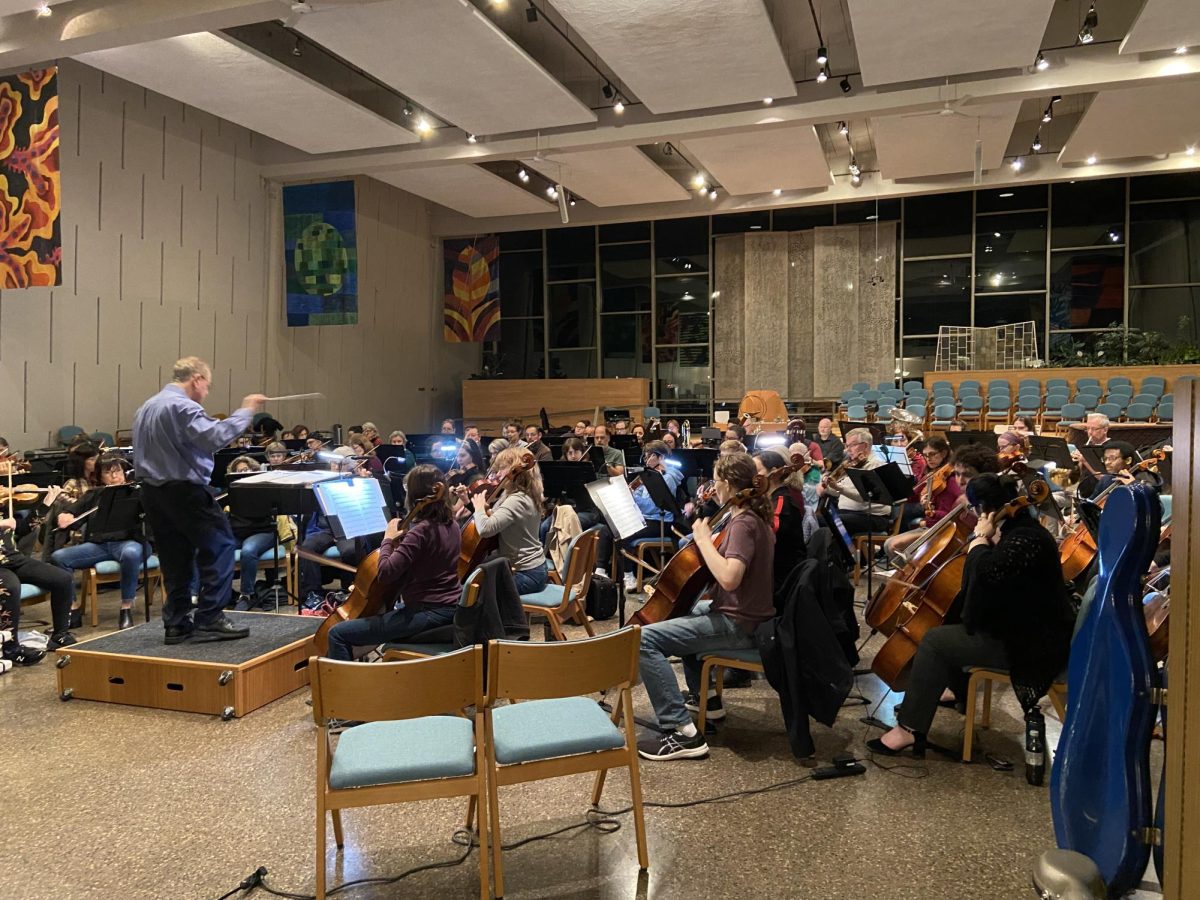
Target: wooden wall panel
<point x="566" y="399"/>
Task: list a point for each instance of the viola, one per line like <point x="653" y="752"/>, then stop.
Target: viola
<point x="685" y="577"/>
<point x="368" y="597"/>
<point x="916" y="606"/>
<point x="475" y="548"/>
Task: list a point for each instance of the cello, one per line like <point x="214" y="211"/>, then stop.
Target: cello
<point x="475" y="548"/>
<point x="914" y="618"/>
<point x="368" y="597"/>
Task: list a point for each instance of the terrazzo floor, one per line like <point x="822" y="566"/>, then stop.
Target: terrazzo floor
<point x="108" y="801"/>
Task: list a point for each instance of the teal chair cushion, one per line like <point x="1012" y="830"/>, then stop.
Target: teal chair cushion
<point x="333" y="553"/>
<point x="550" y="596"/>
<point x="749" y="655"/>
<point x="30" y="591"/>
<point x="112" y="567"/>
<point x="544" y="729"/>
<point x="407" y="750"/>
<point x="427" y="649"/>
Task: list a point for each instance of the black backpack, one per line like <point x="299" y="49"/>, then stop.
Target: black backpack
<point x="601" y="598"/>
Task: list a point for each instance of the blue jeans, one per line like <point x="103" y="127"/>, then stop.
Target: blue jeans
<point x="687" y="636"/>
<point x="254" y="548"/>
<point x="84" y="556"/>
<point x="395" y="626"/>
<point x="531" y="580"/>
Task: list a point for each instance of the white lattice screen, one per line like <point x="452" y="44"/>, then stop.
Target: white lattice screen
<point x="961" y="347"/>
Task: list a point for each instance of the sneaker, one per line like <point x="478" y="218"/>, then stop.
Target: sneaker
<point x="20" y="655"/>
<point x="601" y="571"/>
<point x="715" y="711"/>
<point x="672" y="745"/>
<point x="61" y="639"/>
<point x="630" y="583"/>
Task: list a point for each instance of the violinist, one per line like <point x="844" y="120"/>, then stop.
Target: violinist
<point x="1119" y="461"/>
<point x="1016" y="615"/>
<point x="857" y="515"/>
<point x="574" y="450"/>
<point x="15" y="568"/>
<point x="741" y="600"/>
<point x="533" y="440"/>
<point x="400" y="439"/>
<point x="276" y="453"/>
<point x="371" y="432"/>
<point x="468" y="469"/>
<point x="300" y="432"/>
<point x="940" y="493"/>
<point x="362" y="446"/>
<point x="419" y="566"/>
<point x="1025" y="426"/>
<point x="788" y="512"/>
<point x="639" y="432"/>
<point x="126" y="550"/>
<point x="515" y="520"/>
<point x="1012" y="450"/>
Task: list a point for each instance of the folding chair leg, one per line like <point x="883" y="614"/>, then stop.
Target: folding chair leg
<point x="969" y="734"/>
<point x="493" y="815"/>
<point x="583" y="617"/>
<point x="555" y="626"/>
<point x="338" y="837"/>
<point x="92" y="596"/>
<point x="598" y="789"/>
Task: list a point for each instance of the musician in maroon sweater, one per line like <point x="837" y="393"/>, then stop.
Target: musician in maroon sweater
<point x="420" y="566"/>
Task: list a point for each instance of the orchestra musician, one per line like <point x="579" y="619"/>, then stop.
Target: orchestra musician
<point x="174" y="439"/>
<point x="787" y="515"/>
<point x="614" y="459"/>
<point x="17" y="568"/>
<point x="1012" y="448"/>
<point x="276" y="453"/>
<point x="256" y="537"/>
<point x="620" y="426"/>
<point x="655" y="457"/>
<point x="448" y="426"/>
<point x="832" y="449"/>
<point x="735" y="432"/>
<point x="1119" y="458"/>
<point x="420" y="568"/>
<point x="300" y="432"/>
<point x="515" y="519"/>
<point x="512" y="434"/>
<point x="399" y="439"/>
<point x="126" y="550"/>
<point x="371" y="432"/>
<point x="1015" y="611"/>
<point x="471" y="433"/>
<point x="1096" y="425"/>
<point x="581" y="428"/>
<point x="939" y="493"/>
<point x="574" y="450"/>
<point x="468" y="469"/>
<point x="639" y="432"/>
<point x="362" y="446"/>
<point x="1025" y="426"/>
<point x="741" y="599"/>
<point x="858" y="516"/>
<point x="533" y="441"/>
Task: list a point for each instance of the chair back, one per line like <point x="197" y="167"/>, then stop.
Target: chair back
<point x="856" y="413"/>
<point x="650" y="412"/>
<point x="943" y="385"/>
<point x="519" y="670"/>
<point x="1112" y="410"/>
<point x="972" y="403"/>
<point x="944" y="411"/>
<point x="102" y="438"/>
<point x="472" y="585"/>
<point x="67" y="432"/>
<point x="581" y="561"/>
<point x="1139" y="412"/>
<point x="870" y="397"/>
<point x="1166" y="412"/>
<point x="1073" y="411"/>
<point x="910" y="386"/>
<point x="859" y="386"/>
<point x="372" y="692"/>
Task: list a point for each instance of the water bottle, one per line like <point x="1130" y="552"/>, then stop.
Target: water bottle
<point x="1035" y="746"/>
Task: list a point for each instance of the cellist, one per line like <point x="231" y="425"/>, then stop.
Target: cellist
<point x="420" y="567"/>
<point x="742" y="599"/>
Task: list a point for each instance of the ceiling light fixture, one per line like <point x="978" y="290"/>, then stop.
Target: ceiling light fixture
<point x="408" y="109"/>
<point x="1190" y="151"/>
<point x="778" y="192"/>
<point x="471" y="139"/>
<point x="1179" y="51"/>
<point x="823" y="75"/>
<point x="1041" y="63"/>
<point x="619" y="106"/>
<point x="698" y="181"/>
<point x="571" y="202"/>
<point x="767" y="101"/>
<point x="856" y="180"/>
<point x="844" y="84"/>
<point x="1017" y="164"/>
<point x="712" y="195"/>
<point x="1008" y="194"/>
<point x="854" y="167"/>
<point x="822" y="56"/>
<point x="1090" y="21"/>
<point x="423" y="125"/>
<point x="523" y="175"/>
<point x="607" y="91"/>
<point x="44" y="10"/>
<point x="1047" y="114"/>
<point x="1091" y="160"/>
<point x="1037" y="142"/>
<point x="552" y="192"/>
<point x="843" y="128"/>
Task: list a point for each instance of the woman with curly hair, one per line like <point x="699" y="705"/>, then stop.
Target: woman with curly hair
<point x="515" y="520"/>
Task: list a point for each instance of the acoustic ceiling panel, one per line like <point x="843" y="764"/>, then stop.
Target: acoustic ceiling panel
<point x="937" y="38"/>
<point x="917" y="146"/>
<point x="761" y="160"/>
<point x="450" y="58"/>
<point x="1142" y="121"/>
<point x="466" y="188"/>
<point x="675" y="56"/>
<point x="1163" y="25"/>
<point x="220" y="76"/>
<point x="616" y="177"/>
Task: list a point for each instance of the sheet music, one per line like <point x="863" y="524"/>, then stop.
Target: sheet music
<point x="281" y="476"/>
<point x="357" y="503"/>
<point x="616" y="502"/>
<point x="899" y="455"/>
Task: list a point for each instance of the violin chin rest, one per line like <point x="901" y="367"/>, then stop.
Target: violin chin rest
<point x="1067" y="875"/>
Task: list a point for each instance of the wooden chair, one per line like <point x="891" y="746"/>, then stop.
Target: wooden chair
<point x="109" y="572"/>
<point x="558" y="732"/>
<point x="867" y="543"/>
<point x="567" y="600"/>
<point x="747" y="660"/>
<point x="408" y="748"/>
<point x="1057" y="695"/>
<point x="658" y="545"/>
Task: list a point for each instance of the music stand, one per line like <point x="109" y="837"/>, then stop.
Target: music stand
<point x="696" y="463"/>
<point x="568" y="481"/>
<point x="958" y="439"/>
<point x="615" y="501"/>
<point x="354" y="507"/>
<point x="885" y="485"/>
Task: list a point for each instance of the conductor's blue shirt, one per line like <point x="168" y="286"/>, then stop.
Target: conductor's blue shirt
<point x="174" y="438"/>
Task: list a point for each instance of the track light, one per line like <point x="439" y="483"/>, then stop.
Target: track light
<point x="778" y="192"/>
<point x="423" y="126"/>
<point x="531" y="14"/>
<point x="823" y="75"/>
<point x="1090" y="21"/>
<point x="619" y="106"/>
<point x="408" y="109"/>
<point x="296" y="51"/>
<point x="822" y="56"/>
<point x="471" y="139"/>
<point x="698" y="180"/>
<point x="1017" y="164"/>
<point x="1048" y="114"/>
<point x="767" y="101"/>
<point x="1190" y="151"/>
<point x="1037" y="142"/>
<point x="843" y="129"/>
<point x="44" y="10"/>
<point x="854" y="167"/>
<point x="607" y="91"/>
<point x="523" y="176"/>
<point x="712" y="195"/>
<point x="1179" y="51"/>
<point x="856" y="180"/>
<point x="844" y="84"/>
<point x="552" y="192"/>
<point x="1041" y="63"/>
<point x="571" y="202"/>
<point x="1091" y="160"/>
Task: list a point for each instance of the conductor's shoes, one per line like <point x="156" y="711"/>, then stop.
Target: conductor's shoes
<point x="177" y="634"/>
<point x="221" y="629"/>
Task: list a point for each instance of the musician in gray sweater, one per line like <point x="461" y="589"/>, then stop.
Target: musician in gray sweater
<point x="515" y="519"/>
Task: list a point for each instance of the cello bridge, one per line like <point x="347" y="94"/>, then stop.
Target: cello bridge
<point x="909" y="607"/>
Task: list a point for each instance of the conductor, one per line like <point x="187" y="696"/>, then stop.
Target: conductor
<point x="174" y="440"/>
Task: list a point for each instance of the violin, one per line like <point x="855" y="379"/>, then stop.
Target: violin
<point x="685" y="577"/>
<point x="22" y="494"/>
<point x="935" y="483"/>
<point x="475" y="548"/>
<point x="368" y="597"/>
